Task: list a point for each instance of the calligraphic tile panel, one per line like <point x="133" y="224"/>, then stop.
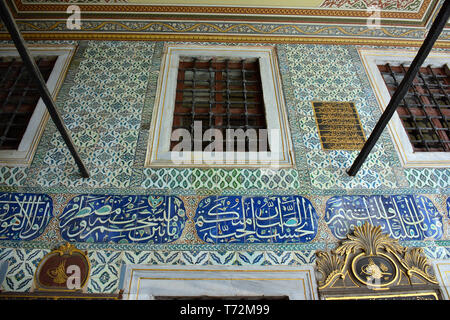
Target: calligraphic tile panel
<point x="236" y="219"/>
<point x="208" y="212"/>
<point x="448" y="206"/>
<point x="123" y="219"/>
<point x="24" y="216"/>
<point x="403" y="217"/>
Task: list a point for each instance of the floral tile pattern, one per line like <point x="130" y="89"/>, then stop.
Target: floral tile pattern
<point x="101" y="106"/>
<point x="106" y="102"/>
<point x="22" y="265"/>
<point x="321" y="74"/>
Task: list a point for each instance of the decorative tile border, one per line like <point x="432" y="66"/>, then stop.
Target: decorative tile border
<point x="383" y="4"/>
<point x="106" y="264"/>
<point x="228" y="28"/>
<point x="404" y="6"/>
<point x="214" y="221"/>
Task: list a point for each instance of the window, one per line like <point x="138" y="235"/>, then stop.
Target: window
<point x="425" y="110"/>
<point x="222" y="94"/>
<point x="19" y="96"/>
<point x="23" y="115"/>
<point x="420" y="127"/>
<point x="233" y="96"/>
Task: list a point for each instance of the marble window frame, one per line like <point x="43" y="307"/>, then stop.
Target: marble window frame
<point x="158" y="154"/>
<point x="23" y="155"/>
<point x="442" y="272"/>
<point x="373" y="57"/>
<point x="147" y="282"/>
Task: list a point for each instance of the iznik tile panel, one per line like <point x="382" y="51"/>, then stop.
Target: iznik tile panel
<point x="226" y="219"/>
<point x="403" y="217"/>
<point x="448" y="206"/>
<point x="24" y="216"/>
<point x="123" y="219"/>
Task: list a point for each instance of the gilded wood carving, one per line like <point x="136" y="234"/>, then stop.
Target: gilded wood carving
<point x="370" y="259"/>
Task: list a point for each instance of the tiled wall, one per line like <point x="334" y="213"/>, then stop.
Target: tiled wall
<point x="106" y="102"/>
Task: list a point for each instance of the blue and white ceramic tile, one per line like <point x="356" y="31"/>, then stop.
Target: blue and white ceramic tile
<point x="403" y="217"/>
<point x="280" y="219"/>
<point x="123" y="219"/>
<point x="248" y="216"/>
<point x="24" y="216"/>
<point x="22" y="264"/>
<point x="448" y="206"/>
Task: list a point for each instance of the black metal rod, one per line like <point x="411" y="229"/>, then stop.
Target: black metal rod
<point x="435" y="30"/>
<point x="35" y="73"/>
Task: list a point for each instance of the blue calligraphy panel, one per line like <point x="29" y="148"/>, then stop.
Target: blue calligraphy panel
<point x="24" y="216"/>
<point x="448" y="206"/>
<point x="234" y="219"/>
<point x="123" y="219"/>
<point x="403" y="217"/>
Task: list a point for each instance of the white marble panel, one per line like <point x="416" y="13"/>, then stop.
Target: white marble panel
<point x="442" y="271"/>
<point x="141" y="282"/>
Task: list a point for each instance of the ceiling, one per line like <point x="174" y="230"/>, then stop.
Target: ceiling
<point x="392" y="12"/>
<point x="400" y="23"/>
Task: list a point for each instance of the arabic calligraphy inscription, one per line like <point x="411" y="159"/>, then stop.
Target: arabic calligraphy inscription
<point x="24" y="216"/>
<point x="226" y="219"/>
<point x="339" y="125"/>
<point x="123" y="219"/>
<point x="402" y="217"/>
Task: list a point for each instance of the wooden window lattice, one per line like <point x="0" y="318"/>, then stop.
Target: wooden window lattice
<point x="18" y="98"/>
<point x="222" y="94"/>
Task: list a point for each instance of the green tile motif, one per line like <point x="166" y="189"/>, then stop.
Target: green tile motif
<point x="107" y="102"/>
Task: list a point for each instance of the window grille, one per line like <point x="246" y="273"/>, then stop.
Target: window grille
<point x="222" y="94"/>
<point x="424" y="111"/>
<point x="18" y="98"/>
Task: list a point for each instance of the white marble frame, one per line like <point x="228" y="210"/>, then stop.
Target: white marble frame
<point x="442" y="272"/>
<point x="145" y="282"/>
<point x="23" y="156"/>
<point x="158" y="154"/>
<point x="370" y="58"/>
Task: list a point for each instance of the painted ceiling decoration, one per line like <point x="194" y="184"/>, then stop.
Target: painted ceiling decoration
<point x="401" y="22"/>
<point x="398" y="12"/>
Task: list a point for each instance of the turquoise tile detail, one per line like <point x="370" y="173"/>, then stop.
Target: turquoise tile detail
<point x="424" y="177"/>
<point x="106" y="102"/>
<point x="13" y="177"/>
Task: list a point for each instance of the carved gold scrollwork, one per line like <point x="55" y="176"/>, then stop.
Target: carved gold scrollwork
<point x="69" y="249"/>
<point x="355" y="256"/>
<point x="369" y="239"/>
<point x="330" y="265"/>
<point x="415" y="262"/>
